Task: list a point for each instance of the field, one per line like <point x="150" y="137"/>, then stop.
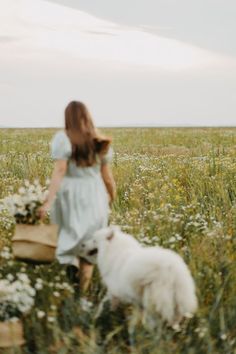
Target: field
<point x="176" y="188"/>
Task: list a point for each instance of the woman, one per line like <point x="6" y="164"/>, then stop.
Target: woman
<point x="81" y="187"/>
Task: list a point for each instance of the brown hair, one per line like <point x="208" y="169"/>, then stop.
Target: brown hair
<point x="86" y="142"/>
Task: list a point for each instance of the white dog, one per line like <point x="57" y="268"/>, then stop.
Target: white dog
<point x="155" y="278"/>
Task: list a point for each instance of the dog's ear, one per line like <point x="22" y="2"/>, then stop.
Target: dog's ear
<point x="110" y="235"/>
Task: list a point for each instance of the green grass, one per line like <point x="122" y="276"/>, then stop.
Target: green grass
<point x="176" y="188"/>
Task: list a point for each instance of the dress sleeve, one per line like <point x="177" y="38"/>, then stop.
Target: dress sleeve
<point x="61" y="146"/>
<point x="107" y="158"/>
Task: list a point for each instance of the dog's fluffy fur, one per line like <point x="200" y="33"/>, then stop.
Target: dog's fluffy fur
<point x="155" y="278"/>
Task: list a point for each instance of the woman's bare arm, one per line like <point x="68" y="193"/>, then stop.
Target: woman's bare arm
<point x="60" y="167"/>
<point x="109" y="181"/>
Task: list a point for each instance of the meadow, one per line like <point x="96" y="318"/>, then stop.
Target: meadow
<point x="176" y="188"/>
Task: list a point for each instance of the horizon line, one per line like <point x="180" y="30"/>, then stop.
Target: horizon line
<point x="128" y="126"/>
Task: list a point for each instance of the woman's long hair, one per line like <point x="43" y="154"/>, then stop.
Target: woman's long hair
<point x="85" y="139"/>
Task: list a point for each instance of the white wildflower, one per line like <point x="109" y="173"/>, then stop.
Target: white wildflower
<point x="85" y="304"/>
<point x="41" y="314"/>
<point x="23" y="277"/>
<point x="10" y="277"/>
<point x="38" y="286"/>
<point x="56" y="294"/>
<point x="176" y="327"/>
<point x="223" y="336"/>
<point x="51" y="319"/>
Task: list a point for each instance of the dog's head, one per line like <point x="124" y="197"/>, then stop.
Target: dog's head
<point x="89" y="249"/>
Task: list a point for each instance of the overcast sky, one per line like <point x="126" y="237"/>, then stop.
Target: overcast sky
<point x="135" y="62"/>
<point x="207" y="23"/>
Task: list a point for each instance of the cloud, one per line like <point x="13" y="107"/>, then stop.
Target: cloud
<point x="46" y="27"/>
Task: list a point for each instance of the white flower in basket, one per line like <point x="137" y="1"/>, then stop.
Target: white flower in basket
<point x="33" y="241"/>
<point x="16" y="300"/>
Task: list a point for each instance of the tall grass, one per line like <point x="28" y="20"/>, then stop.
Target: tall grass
<point x="176" y="188"/>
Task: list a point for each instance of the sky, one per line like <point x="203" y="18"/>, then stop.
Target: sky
<point x="134" y="63"/>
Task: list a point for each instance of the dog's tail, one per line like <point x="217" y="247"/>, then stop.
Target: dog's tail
<point x="171" y="293"/>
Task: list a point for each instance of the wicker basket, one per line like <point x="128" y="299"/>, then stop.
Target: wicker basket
<point x="11" y="334"/>
<point x="35" y="243"/>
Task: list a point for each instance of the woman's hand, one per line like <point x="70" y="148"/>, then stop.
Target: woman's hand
<point x="43" y="210"/>
<point x="60" y="167"/>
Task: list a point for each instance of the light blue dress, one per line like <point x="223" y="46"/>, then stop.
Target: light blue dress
<point x="81" y="206"/>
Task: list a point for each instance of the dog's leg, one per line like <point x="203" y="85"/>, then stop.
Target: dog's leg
<point x="175" y="324"/>
<point x="133" y="322"/>
<point x="108" y="297"/>
<point x="101" y="305"/>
